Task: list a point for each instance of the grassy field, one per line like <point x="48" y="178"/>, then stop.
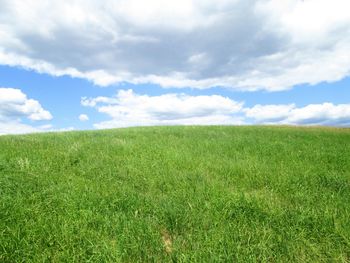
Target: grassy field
<point x="176" y="194"/>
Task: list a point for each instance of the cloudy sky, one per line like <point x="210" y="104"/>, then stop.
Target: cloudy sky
<point x="96" y="64"/>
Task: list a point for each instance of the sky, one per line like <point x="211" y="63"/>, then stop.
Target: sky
<point x="99" y="64"/>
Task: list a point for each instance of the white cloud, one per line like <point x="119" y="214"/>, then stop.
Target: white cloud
<point x="130" y="109"/>
<point x="313" y="114"/>
<point x="127" y="108"/>
<point x="241" y="44"/>
<point x="269" y="113"/>
<point x="13" y="127"/>
<point x="14" y="104"/>
<point x="83" y="117"/>
<point x="14" y="107"/>
<point x="71" y="128"/>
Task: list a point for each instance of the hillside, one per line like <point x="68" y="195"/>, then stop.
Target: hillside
<point x="187" y="194"/>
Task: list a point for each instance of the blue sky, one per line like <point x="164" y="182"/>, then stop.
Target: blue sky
<point x="110" y="64"/>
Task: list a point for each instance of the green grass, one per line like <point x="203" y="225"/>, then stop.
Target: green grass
<point x="176" y="194"/>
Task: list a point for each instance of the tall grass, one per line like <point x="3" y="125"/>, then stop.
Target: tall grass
<point x="182" y="194"/>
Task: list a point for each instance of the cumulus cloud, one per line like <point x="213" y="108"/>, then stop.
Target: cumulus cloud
<point x="127" y="108"/>
<point x="313" y="114"/>
<point x="83" y="117"/>
<point x="240" y="44"/>
<point x="16" y="128"/>
<point x="14" y="107"/>
<point x="130" y="109"/>
<point x="14" y="104"/>
<point x="269" y="113"/>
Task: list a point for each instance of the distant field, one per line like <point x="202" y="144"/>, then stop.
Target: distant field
<point x="181" y="194"/>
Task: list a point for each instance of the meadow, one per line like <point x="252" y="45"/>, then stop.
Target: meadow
<point x="176" y="194"/>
